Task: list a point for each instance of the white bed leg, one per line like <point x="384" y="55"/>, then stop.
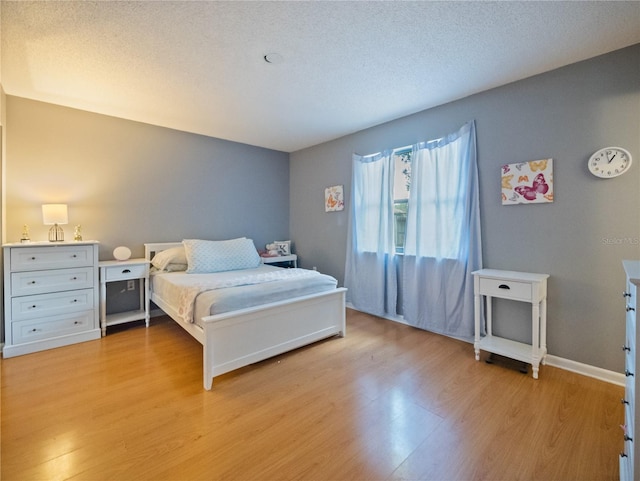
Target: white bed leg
<point x="207" y="368"/>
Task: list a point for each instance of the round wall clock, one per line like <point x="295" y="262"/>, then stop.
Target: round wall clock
<point x="610" y="162"/>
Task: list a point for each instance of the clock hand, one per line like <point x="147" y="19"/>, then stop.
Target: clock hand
<point x="610" y="159"/>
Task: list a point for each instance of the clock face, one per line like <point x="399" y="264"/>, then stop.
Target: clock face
<point x="610" y="162"/>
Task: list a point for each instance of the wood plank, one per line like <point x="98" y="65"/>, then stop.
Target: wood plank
<point x="387" y="402"/>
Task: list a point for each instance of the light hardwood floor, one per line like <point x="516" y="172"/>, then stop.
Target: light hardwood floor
<point x="387" y="402"/>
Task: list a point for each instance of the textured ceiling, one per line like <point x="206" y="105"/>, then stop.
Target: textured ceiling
<point x="199" y="66"/>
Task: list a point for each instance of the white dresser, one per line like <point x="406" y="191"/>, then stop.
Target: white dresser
<point x="630" y="457"/>
<point x="516" y="286"/>
<point x="50" y="295"/>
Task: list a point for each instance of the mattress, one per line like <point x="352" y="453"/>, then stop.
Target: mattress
<point x="196" y="296"/>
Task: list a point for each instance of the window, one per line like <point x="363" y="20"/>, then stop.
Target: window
<point x="401" y="185"/>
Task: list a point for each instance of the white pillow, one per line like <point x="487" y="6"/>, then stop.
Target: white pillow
<point x="219" y="256"/>
<point x="174" y="259"/>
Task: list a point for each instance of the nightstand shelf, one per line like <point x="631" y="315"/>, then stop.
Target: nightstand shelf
<point x="112" y="271"/>
<point x="292" y="259"/>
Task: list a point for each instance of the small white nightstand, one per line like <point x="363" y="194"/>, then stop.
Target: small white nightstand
<point x="517" y="286"/>
<point x="293" y="259"/>
<point x="132" y="269"/>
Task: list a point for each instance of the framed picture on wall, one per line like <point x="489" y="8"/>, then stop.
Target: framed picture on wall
<point x="334" y="198"/>
<point x="527" y="182"/>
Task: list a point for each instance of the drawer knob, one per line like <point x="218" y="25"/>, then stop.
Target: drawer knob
<point x="126" y="271"/>
<point x="626" y="348"/>
<point x="75" y="300"/>
<point x="626" y="294"/>
<point x="31" y="282"/>
<point x="33" y="307"/>
<point x="623" y="455"/>
<point x="624" y="401"/>
<point x="503" y="286"/>
<point x="628" y="373"/>
<point x="74" y="256"/>
<point x="74" y="278"/>
<point x="630" y="308"/>
<point x="627" y="438"/>
<point x="33" y="258"/>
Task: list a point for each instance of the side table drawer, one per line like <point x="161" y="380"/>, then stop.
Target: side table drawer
<point x="118" y="273"/>
<point x="40" y="305"/>
<point x="506" y="289"/>
<point x="56" y="257"/>
<point x="39" y="282"/>
<point x="45" y="328"/>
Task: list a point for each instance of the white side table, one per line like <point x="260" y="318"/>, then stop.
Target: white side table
<point x="517" y="286"/>
<point x="132" y="269"/>
<point x="292" y="258"/>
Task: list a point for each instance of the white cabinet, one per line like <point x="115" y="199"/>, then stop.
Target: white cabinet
<point x="50" y="296"/>
<point x="129" y="270"/>
<point x="517" y="286"/>
<point x="630" y="457"/>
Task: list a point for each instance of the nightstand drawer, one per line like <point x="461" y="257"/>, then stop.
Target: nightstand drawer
<point x="119" y="273"/>
<point x="44" y="328"/>
<point x="506" y="289"/>
<point x="39" y="282"/>
<point x="40" y="305"/>
<point x="50" y="257"/>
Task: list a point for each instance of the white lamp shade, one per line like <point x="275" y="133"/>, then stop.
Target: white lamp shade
<point x="54" y="214"/>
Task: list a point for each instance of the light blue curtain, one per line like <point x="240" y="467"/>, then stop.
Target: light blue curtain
<point x="443" y="246"/>
<point x="443" y="243"/>
<point x="370" y="271"/>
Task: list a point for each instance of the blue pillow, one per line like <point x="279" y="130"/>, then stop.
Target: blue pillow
<point x="219" y="256"/>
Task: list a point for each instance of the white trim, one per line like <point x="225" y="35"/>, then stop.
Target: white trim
<point x="586" y="370"/>
<point x="568" y="365"/>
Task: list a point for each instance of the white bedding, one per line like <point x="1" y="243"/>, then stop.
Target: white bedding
<point x="199" y="295"/>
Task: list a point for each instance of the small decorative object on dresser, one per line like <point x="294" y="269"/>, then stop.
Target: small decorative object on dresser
<point x="517" y="286"/>
<point x="630" y="457"/>
<point x="126" y="270"/>
<point x="24" y="237"/>
<point x="50" y="295"/>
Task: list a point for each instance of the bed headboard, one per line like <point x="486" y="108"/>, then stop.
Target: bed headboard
<point x="151" y="249"/>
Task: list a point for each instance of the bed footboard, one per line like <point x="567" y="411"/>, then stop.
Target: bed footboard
<point x="239" y="338"/>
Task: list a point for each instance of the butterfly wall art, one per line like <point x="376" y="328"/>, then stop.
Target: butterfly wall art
<point x="527" y="182"/>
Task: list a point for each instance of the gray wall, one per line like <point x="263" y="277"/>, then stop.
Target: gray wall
<point x="128" y="183"/>
<point x="579" y="240"/>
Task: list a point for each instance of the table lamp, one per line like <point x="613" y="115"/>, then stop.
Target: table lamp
<point x="54" y="215"/>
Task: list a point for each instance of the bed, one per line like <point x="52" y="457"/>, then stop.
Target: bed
<point x="273" y="323"/>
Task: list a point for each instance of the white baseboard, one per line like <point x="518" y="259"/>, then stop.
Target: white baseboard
<point x="586" y="370"/>
<point x="559" y="362"/>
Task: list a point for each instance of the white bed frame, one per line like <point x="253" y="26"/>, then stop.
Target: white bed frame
<point x="236" y="339"/>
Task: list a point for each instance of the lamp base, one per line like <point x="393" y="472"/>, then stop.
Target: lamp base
<point x="56" y="234"/>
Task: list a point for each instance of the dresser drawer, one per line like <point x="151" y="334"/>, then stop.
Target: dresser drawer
<point x="506" y="289"/>
<point x="40" y="305"/>
<point x="39" y="282"/>
<point x="45" y="328"/>
<point x="50" y="257"/>
<point x="630" y="338"/>
<point x="120" y="273"/>
<point x="628" y="417"/>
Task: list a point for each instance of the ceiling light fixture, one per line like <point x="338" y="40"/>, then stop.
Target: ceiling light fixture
<point x="273" y="58"/>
